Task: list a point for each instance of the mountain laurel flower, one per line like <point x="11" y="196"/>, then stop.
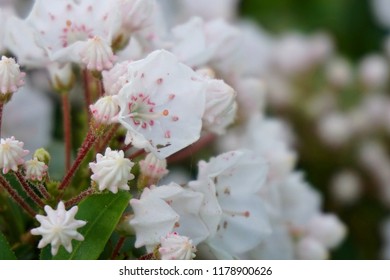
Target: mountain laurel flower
<point x="309" y="248"/>
<point x="11" y="78"/>
<point x="115" y="78"/>
<point x="162" y="104"/>
<point x="61" y="76"/>
<point x="97" y="55"/>
<point x="221" y="106"/>
<point x="68" y="29"/>
<point x="176" y="247"/>
<point x="164" y="209"/>
<point x="327" y="229"/>
<point x="58" y="228"/>
<point x="35" y="169"/>
<point x="198" y="43"/>
<point x="153" y="169"/>
<point x="105" y="109"/>
<point x="112" y="171"/>
<point x="136" y="14"/>
<point x="232" y="208"/>
<point x="11" y="154"/>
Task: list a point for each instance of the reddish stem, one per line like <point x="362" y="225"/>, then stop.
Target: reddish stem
<point x="137" y="154"/>
<point x="28" y="189"/>
<point x="100" y="88"/>
<point x="118" y="247"/>
<point x="66" y="118"/>
<point x="41" y="188"/>
<point x="190" y="150"/>
<point x="88" y="143"/>
<point x="78" y="198"/>
<point x="109" y="135"/>
<point x="16" y="197"/>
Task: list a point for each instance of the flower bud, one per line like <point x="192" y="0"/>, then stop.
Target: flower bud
<point x="152" y="170"/>
<point x="11" y="78"/>
<point x="176" y="247"/>
<point x="61" y="76"/>
<point x="309" y="248"/>
<point x="42" y="155"/>
<point x="327" y="229"/>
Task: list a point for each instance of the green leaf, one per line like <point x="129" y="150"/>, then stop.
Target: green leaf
<point x="5" y="250"/>
<point x="102" y="213"/>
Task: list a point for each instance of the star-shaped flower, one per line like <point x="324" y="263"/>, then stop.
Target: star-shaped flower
<point x="58" y="228"/>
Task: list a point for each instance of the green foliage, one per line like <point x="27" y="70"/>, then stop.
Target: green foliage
<point x="5" y="250"/>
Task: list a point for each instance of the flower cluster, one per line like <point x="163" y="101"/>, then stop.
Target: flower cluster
<point x="158" y="89"/>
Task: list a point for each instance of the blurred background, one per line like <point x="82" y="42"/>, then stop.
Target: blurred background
<point x="339" y="113"/>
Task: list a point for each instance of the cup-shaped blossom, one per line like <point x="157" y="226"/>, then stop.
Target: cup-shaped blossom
<point x="97" y="54"/>
<point x="11" y="78"/>
<point x="35" y="169"/>
<point x="58" y="228"/>
<point x="115" y="78"/>
<point x="327" y="229"/>
<point x="112" y="171"/>
<point x="198" y="43"/>
<point x="63" y="29"/>
<point x="221" y="106"/>
<point x="136" y="14"/>
<point x="153" y="169"/>
<point x="11" y="154"/>
<point x="232" y="209"/>
<point x="164" y="209"/>
<point x="105" y="109"/>
<point x="162" y="105"/>
<point x="309" y="248"/>
<point x="176" y="247"/>
<point x="61" y="76"/>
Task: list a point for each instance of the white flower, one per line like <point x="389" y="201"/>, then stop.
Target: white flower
<point x="197" y="43"/>
<point x="11" y="78"/>
<point x="105" y="109"/>
<point x="153" y="167"/>
<point x="97" y="54"/>
<point x="346" y="187"/>
<point x="176" y="247"/>
<point x="11" y="154"/>
<point x="335" y="129"/>
<point x="309" y="248"/>
<point x="327" y="229"/>
<point x="162" y="105"/>
<point x="64" y="27"/>
<point x="112" y="171"/>
<point x="271" y="139"/>
<point x="165" y="209"/>
<point x="61" y="75"/>
<point x="373" y="71"/>
<point x="221" y="106"/>
<point x="225" y="9"/>
<point x="232" y="209"/>
<point x="58" y="228"/>
<point x="136" y="14"/>
<point x="35" y="169"/>
<point x="115" y="78"/>
<point x="299" y="201"/>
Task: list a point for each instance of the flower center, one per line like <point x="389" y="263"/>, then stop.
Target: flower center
<point x="74" y="32"/>
<point x="142" y="111"/>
